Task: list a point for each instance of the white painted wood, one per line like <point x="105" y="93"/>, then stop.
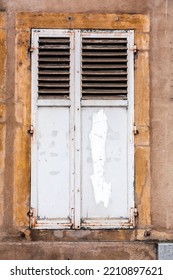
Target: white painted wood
<point x="34" y="68"/>
<point x="102" y="103"/>
<point x="72" y="132"/>
<point x="131" y="199"/>
<point x="77" y="117"/>
<point x="53" y="103"/>
<point x="52" y="155"/>
<point x="53" y="163"/>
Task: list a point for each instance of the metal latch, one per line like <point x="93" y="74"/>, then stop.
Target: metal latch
<point x="134" y="49"/>
<point x="31" y="130"/>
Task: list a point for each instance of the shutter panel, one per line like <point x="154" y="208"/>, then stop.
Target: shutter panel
<point x="104" y="67"/>
<point x="52" y="60"/>
<point x="54" y="66"/>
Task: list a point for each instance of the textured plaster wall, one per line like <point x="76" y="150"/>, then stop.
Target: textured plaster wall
<point x="160" y="119"/>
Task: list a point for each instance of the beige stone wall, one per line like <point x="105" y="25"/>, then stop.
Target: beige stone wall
<point x="153" y="109"/>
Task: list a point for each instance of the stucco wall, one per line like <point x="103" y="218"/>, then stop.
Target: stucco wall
<point x="161" y="117"/>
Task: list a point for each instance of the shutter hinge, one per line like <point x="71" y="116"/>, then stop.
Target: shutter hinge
<point x="135" y="130"/>
<point x="72" y="217"/>
<point x="133" y="215"/>
<point x="31" y="130"/>
<point x="134" y="49"/>
<point x="32" y="217"/>
<point x="31" y="49"/>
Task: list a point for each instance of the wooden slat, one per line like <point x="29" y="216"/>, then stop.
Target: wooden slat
<point x="103" y="47"/>
<point x="52" y="79"/>
<point x="46" y="66"/>
<point x="52" y="91"/>
<point x="53" y="40"/>
<point x="103" y="54"/>
<point x="54" y="53"/>
<point x="103" y="72"/>
<point x="104" y="66"/>
<point x="104" y="41"/>
<point x="95" y="78"/>
<point x="54" y="47"/>
<point x="54" y="72"/>
<point x="104" y="91"/>
<point x="53" y="59"/>
<point x="102" y="84"/>
<point x="53" y="85"/>
<point x="102" y="59"/>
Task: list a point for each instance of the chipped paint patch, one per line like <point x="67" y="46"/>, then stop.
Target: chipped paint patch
<point x="98" y="134"/>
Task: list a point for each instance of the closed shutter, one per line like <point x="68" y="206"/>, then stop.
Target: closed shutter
<point x="82" y="113"/>
<point x="52" y="118"/>
<point x="107" y="124"/>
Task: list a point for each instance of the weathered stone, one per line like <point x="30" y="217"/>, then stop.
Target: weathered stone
<point x="80" y="251"/>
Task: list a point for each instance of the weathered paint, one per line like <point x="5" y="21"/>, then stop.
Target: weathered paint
<point x="115" y="167"/>
<point x="98" y="135"/>
<point x="53" y="162"/>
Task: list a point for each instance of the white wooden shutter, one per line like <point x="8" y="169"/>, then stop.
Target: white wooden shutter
<point x="107" y="129"/>
<point x="52" y="118"/>
<point x="82" y="113"/>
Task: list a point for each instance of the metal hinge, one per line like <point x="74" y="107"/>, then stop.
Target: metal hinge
<point x="72" y="217"/>
<point x="31" y="130"/>
<point x="135" y="131"/>
<point x="133" y="215"/>
<point x="32" y="217"/>
<point x="134" y="49"/>
<point x="31" y="49"/>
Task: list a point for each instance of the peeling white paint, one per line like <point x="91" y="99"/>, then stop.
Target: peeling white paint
<point x="102" y="189"/>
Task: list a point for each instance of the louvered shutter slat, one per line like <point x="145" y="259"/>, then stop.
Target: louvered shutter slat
<point x="104" y="67"/>
<point x="54" y="66"/>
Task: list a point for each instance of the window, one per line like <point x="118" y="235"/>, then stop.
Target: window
<point x="82" y="157"/>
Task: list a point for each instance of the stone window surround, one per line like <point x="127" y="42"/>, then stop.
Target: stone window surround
<point x="25" y="21"/>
